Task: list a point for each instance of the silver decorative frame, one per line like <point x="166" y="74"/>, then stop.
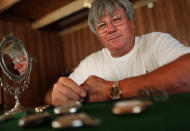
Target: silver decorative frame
<point x="23" y="79"/>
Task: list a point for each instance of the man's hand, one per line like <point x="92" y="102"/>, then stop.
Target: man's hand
<point x="97" y="88"/>
<point x="65" y="90"/>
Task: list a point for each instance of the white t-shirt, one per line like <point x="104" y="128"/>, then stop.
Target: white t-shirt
<point x="150" y="52"/>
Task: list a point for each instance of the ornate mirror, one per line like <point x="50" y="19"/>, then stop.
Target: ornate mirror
<point x="16" y="64"/>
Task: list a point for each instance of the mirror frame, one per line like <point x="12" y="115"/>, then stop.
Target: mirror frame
<point x="18" y="78"/>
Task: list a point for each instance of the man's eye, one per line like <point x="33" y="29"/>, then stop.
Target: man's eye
<point x="116" y="20"/>
<point x="101" y="26"/>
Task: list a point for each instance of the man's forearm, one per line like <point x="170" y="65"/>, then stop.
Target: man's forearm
<point x="173" y="77"/>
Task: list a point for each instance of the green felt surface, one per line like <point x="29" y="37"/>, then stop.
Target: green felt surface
<point x="171" y="115"/>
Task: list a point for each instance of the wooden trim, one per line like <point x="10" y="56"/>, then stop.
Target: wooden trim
<point x="74" y="18"/>
<point x="74" y="28"/>
<point x="139" y="3"/>
<point x="5" y="4"/>
<point x="61" y="12"/>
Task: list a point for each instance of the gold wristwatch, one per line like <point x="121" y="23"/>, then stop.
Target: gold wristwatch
<point x="115" y="91"/>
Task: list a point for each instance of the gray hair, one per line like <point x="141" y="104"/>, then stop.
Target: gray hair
<point x="14" y="50"/>
<point x="100" y="7"/>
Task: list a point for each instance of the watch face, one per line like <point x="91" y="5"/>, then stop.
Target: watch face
<point x="115" y="92"/>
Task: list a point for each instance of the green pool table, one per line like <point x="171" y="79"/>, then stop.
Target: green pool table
<point x="170" y="115"/>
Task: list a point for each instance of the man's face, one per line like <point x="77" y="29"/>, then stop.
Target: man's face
<point x="21" y="65"/>
<point x="118" y="36"/>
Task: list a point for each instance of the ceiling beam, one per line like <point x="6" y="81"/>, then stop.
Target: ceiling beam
<point x="5" y="4"/>
<point x="64" y="11"/>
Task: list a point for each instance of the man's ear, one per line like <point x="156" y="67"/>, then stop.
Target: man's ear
<point x="98" y="36"/>
<point x="132" y="25"/>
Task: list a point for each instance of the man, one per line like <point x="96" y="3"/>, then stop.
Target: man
<point x="127" y="64"/>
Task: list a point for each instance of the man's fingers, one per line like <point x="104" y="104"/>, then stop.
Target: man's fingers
<point x="56" y="101"/>
<point x="70" y="94"/>
<point x="65" y="90"/>
<point x="62" y="90"/>
<point x="85" y="86"/>
<point x="71" y="84"/>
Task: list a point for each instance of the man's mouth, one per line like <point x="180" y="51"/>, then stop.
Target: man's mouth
<point x="113" y="37"/>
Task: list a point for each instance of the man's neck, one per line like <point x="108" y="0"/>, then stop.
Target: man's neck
<point x="122" y="52"/>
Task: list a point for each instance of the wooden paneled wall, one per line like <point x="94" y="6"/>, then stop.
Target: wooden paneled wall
<point x="171" y="16"/>
<point x="78" y="45"/>
<point x="50" y="62"/>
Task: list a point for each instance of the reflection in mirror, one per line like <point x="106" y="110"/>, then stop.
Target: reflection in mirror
<point x="16" y="64"/>
<point x="14" y="58"/>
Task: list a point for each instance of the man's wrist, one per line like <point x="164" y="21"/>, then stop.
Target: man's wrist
<point x="48" y="97"/>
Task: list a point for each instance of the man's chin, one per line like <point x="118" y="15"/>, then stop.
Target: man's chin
<point x="116" y="46"/>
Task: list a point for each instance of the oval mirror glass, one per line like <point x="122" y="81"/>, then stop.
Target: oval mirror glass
<point x="15" y="58"/>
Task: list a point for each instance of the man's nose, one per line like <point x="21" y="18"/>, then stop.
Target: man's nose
<point x="16" y="66"/>
<point x="111" y="28"/>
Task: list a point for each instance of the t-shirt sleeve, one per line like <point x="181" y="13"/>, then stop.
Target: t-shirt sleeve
<point x="83" y="71"/>
<point x="166" y="48"/>
<point x="80" y="72"/>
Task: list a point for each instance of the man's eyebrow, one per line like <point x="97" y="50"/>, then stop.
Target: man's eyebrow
<point x="117" y="14"/>
<point x="101" y="22"/>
